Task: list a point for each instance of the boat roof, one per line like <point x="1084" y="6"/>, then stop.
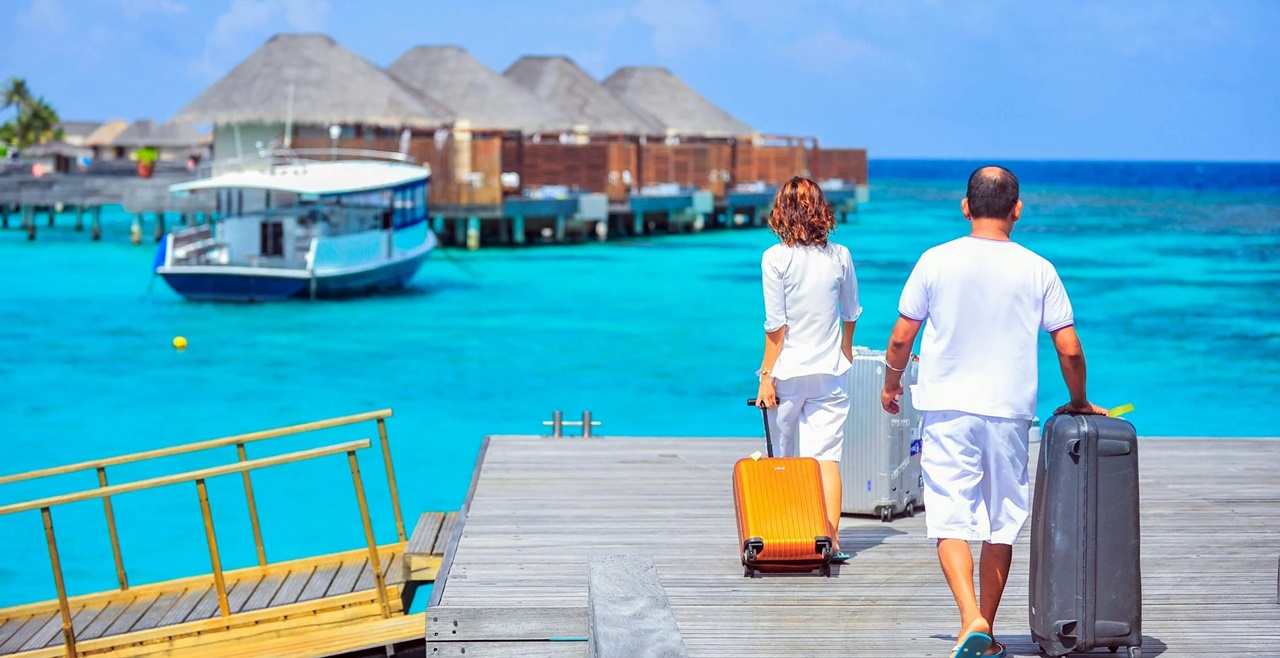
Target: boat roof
<point x="320" y="178"/>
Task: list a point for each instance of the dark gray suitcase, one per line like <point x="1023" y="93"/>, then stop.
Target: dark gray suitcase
<point x="1086" y="584"/>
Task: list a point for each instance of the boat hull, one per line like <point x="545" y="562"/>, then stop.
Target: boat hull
<point x="237" y="285"/>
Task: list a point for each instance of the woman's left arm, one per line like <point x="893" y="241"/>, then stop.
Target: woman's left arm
<point x="850" y="310"/>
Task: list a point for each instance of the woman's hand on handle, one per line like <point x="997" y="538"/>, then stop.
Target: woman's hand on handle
<point x="767" y="397"/>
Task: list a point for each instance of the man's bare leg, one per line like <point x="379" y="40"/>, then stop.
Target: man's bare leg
<point x="993" y="572"/>
<point x="957" y="566"/>
<point x="831" y="494"/>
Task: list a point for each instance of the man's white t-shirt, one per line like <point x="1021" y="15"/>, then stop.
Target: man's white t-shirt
<point x="983" y="303"/>
<point x="810" y="290"/>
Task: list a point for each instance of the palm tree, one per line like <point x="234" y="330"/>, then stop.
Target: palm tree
<point x="16" y="94"/>
<point x="36" y="121"/>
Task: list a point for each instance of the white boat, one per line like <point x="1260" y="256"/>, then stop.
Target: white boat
<point x="290" y="226"/>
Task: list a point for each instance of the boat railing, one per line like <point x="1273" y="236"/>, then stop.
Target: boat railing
<point x="46" y="505"/>
<point x="239" y="441"/>
<point x="268" y="159"/>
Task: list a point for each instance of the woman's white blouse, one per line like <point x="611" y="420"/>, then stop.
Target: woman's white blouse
<point x="810" y="290"/>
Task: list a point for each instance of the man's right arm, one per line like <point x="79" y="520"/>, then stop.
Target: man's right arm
<point x="1071" y="359"/>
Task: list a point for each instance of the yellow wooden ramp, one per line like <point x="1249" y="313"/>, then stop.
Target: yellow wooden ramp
<point x="320" y="605"/>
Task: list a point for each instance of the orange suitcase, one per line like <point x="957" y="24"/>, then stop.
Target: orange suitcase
<point x="782" y="516"/>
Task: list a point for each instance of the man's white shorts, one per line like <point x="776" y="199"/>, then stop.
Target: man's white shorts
<point x="809" y="419"/>
<point x="975" y="476"/>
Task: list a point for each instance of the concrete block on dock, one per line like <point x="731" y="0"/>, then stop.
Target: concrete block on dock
<point x="629" y="615"/>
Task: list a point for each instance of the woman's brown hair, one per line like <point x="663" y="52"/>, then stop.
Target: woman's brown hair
<point x="801" y="215"/>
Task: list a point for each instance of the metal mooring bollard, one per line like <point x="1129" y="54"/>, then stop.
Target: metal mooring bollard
<point x="558" y="423"/>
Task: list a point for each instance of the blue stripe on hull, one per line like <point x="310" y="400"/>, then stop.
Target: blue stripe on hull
<point x="240" y="288"/>
<point x="390" y="277"/>
<point x="220" y="287"/>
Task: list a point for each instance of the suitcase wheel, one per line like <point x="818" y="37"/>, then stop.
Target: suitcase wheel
<point x="826" y="570"/>
<point x="1135" y="652"/>
<point x="747" y="571"/>
<point x="886" y="514"/>
<point x="910" y="510"/>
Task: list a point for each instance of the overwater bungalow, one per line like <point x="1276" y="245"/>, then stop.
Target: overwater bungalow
<point x="294" y="88"/>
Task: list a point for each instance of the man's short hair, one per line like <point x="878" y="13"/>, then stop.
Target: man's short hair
<point x="993" y="191"/>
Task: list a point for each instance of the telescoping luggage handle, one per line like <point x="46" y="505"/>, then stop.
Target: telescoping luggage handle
<point x="764" y="413"/>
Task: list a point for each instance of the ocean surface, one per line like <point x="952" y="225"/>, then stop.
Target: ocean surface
<point x="1173" y="270"/>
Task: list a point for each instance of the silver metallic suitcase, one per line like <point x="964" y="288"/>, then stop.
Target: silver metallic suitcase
<point x="880" y="461"/>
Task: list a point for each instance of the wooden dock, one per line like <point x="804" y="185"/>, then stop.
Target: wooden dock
<point x="539" y="509"/>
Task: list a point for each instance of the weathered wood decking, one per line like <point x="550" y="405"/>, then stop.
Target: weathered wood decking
<point x="310" y="607"/>
<point x="539" y="509"/>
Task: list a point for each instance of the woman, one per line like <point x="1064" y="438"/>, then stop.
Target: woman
<point x="810" y="291"/>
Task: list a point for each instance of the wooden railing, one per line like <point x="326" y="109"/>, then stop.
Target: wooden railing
<point x="45" y="505"/>
<point x="239" y="441"/>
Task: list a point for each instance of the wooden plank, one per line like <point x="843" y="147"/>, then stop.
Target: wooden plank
<point x="319" y="583"/>
<point x="11" y="626"/>
<point x="509" y="649"/>
<point x="46" y="634"/>
<point x="393" y="569"/>
<point x="103" y="621"/>
<point x="469" y="624"/>
<point x="348" y="607"/>
<point x="158" y="610"/>
<point x="292" y="587"/>
<point x="183" y="608"/>
<point x="424" y="534"/>
<point x="324" y="642"/>
<point x="344" y="581"/>
<point x="114" y="595"/>
<point x="460" y="520"/>
<point x="447" y="527"/>
<point x="130" y="615"/>
<point x="239" y="594"/>
<point x="24" y="633"/>
<point x="629" y="614"/>
<point x="264" y="593"/>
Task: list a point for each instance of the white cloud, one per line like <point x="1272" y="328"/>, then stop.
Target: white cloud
<point x="44" y="15"/>
<point x="247" y="23"/>
<point x="828" y="51"/>
<point x="135" y="8"/>
<point x="680" y="26"/>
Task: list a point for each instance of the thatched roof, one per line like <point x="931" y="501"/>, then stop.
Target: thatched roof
<point x="75" y="132"/>
<point x="330" y="85"/>
<point x="164" y="135"/>
<point x="475" y="92"/>
<point x="106" y="133"/>
<point x="667" y="98"/>
<point x="51" y="149"/>
<point x="560" y="82"/>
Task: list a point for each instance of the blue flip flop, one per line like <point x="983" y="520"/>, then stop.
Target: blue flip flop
<point x="841" y="557"/>
<point x="972" y="646"/>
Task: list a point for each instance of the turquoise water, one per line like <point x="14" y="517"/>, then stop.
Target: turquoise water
<point x="1175" y="292"/>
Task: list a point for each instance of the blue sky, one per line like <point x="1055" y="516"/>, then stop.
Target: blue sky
<point x="1138" y="79"/>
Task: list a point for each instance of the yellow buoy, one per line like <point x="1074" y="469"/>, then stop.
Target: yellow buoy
<point x="179" y="343"/>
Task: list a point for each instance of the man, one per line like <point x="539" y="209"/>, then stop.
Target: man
<point x="985" y="298"/>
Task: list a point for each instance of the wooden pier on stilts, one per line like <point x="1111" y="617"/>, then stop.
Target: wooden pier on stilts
<point x="318" y="606"/>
